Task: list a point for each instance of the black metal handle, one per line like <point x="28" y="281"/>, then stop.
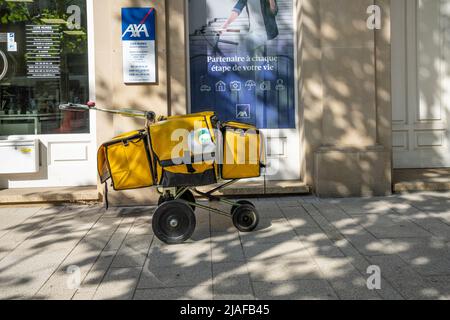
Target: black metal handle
<point x="74" y="107"/>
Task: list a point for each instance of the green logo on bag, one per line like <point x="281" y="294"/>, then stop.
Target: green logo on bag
<point x="204" y="137"/>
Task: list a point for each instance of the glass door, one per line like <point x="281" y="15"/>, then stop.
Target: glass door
<point x="242" y="65"/>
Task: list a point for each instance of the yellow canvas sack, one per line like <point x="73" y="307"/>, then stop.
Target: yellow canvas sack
<point x="171" y="142"/>
<point x="126" y="161"/>
<point x="243" y="151"/>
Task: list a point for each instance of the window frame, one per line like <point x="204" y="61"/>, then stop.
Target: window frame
<point x="91" y="88"/>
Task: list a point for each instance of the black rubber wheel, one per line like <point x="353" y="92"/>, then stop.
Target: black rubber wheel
<point x="187" y="196"/>
<point x="239" y="203"/>
<point x="173" y="222"/>
<point x="246" y="218"/>
<point x="163" y="199"/>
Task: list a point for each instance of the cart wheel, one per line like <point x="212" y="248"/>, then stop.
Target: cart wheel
<point x="173" y="222"/>
<point x="164" y="199"/>
<point x="239" y="203"/>
<point x="187" y="196"/>
<point x="245" y="218"/>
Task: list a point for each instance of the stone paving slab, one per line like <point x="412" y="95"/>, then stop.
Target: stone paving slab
<point x="178" y="293"/>
<point x="227" y="247"/>
<point x="295" y="290"/>
<point x="175" y="276"/>
<point x="232" y="281"/>
<point x="304" y="248"/>
<point x="118" y="284"/>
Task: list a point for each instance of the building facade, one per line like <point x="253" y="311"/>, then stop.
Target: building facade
<point x="358" y="88"/>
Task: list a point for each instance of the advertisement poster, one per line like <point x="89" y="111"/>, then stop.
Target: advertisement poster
<point x="43" y="51"/>
<point x="242" y="60"/>
<point x="139" y="45"/>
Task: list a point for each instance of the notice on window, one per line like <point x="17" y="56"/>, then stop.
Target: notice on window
<point x="11" y="42"/>
<point x="43" y="51"/>
<point x="138" y="44"/>
<point x="242" y="61"/>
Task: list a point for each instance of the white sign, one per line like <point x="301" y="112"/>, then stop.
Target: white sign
<point x="139" y="45"/>
<point x="11" y="42"/>
<point x="12" y="47"/>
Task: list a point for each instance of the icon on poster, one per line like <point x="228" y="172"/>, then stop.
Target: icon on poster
<point x="265" y="86"/>
<point x="243" y="111"/>
<point x="221" y="86"/>
<point x="205" y="88"/>
<point x="280" y="85"/>
<point x="250" y="85"/>
<point x="236" y="86"/>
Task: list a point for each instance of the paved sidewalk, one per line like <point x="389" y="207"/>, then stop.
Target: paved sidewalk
<point x="305" y="248"/>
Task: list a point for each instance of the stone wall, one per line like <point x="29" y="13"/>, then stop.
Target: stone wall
<point x="345" y="70"/>
<point x="345" y="103"/>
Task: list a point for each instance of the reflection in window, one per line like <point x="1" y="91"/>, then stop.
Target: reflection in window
<point x="43" y="63"/>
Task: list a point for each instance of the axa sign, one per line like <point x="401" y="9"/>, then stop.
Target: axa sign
<point x="138" y="24"/>
<point x="136" y="30"/>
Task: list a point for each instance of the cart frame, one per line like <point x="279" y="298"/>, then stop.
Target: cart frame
<point x="176" y="205"/>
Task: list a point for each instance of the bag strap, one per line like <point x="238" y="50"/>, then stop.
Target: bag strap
<point x="180" y="161"/>
<point x="106" y="196"/>
<point x="190" y="168"/>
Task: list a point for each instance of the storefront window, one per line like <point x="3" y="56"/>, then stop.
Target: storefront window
<point x="242" y="60"/>
<point x="43" y="63"/>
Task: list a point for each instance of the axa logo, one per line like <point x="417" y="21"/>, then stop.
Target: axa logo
<point x="136" y="30"/>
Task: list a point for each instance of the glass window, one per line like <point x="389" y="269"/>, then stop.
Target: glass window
<point x="242" y="61"/>
<point x="43" y="63"/>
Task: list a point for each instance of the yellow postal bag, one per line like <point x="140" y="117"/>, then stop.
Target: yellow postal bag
<point x="178" y="163"/>
<point x="243" y="151"/>
<point x="126" y="160"/>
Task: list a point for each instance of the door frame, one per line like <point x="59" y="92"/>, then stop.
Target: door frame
<point x="406" y="95"/>
<point x="299" y="119"/>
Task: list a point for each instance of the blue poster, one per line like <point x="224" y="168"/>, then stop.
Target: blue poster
<point x="139" y="45"/>
<point x="242" y="61"/>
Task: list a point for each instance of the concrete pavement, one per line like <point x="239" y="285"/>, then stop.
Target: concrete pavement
<point x="305" y="248"/>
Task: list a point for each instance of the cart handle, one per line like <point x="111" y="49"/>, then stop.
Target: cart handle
<point x="74" y="107"/>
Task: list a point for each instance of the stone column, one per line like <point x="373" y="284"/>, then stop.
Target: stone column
<point x="110" y="89"/>
<point x="346" y="98"/>
<point x="177" y="56"/>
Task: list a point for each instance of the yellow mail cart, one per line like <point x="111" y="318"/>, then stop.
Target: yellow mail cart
<point x="177" y="155"/>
